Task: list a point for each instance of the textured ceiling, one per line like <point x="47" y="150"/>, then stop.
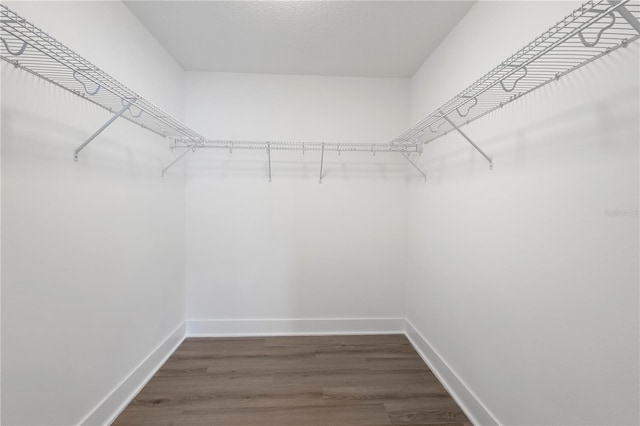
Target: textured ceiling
<point x="348" y="38"/>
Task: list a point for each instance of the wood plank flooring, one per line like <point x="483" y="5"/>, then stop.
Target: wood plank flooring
<point x="305" y="380"/>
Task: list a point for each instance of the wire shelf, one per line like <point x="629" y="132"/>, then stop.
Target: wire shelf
<point x="302" y="147"/>
<point x="593" y="30"/>
<point x="588" y="33"/>
<point x="27" y="47"/>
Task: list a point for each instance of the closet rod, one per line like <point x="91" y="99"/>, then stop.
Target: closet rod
<point x="301" y="147"/>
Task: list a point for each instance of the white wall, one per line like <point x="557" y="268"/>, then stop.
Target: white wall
<point x="93" y="252"/>
<point x="292" y="249"/>
<point x="525" y="278"/>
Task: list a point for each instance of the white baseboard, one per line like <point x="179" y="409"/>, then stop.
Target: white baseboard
<point x="113" y="404"/>
<point x="466" y="399"/>
<point x="293" y="327"/>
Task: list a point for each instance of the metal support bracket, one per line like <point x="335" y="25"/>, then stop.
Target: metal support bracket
<point x="321" y="163"/>
<point x="415" y="166"/>
<point x="269" y="154"/>
<point x="101" y="129"/>
<point x="628" y="16"/>
<point x="191" y="147"/>
<point x="469" y="140"/>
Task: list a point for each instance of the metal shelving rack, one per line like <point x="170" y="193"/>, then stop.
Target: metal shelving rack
<point x="27" y="47"/>
<point x="302" y="147"/>
<point x="595" y="29"/>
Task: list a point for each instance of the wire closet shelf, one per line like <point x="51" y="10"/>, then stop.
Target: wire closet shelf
<point x="588" y="33"/>
<point x="593" y="30"/>
<point x="29" y="48"/>
<point x="302" y="147"/>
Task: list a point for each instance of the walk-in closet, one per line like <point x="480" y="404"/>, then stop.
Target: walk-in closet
<point x="312" y="213"/>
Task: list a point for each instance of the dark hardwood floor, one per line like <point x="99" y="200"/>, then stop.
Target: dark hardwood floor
<point x="305" y="380"/>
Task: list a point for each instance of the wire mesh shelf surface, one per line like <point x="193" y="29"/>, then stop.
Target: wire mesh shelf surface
<point x="232" y="145"/>
<point x="589" y="32"/>
<point x="26" y="46"/>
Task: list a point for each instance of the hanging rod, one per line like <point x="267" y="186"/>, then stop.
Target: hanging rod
<point x="27" y="47"/>
<point x="593" y="30"/>
<point x="302" y="147"/>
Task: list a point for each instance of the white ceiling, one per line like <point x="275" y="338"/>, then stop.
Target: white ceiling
<point x="346" y="38"/>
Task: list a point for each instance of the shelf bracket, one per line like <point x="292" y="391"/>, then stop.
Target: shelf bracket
<point x="126" y="106"/>
<point x="415" y="166"/>
<point x="321" y="163"/>
<point x="191" y="147"/>
<point x="469" y="140"/>
<point x="628" y="16"/>
<point x="269" y="154"/>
